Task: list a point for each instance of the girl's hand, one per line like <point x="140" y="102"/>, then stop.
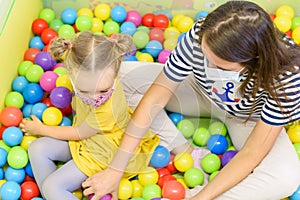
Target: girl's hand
<point x="102" y="183"/>
<point x="31" y="127"/>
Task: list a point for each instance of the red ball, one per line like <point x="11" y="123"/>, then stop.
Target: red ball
<point x="29" y="190"/>
<point x="47" y="101"/>
<point x="161" y="21"/>
<point x="165" y="179"/>
<point x="147" y="19"/>
<point x="157" y="34"/>
<point x="170" y="166"/>
<point x="38" y="26"/>
<point x="48" y="34"/>
<point x="30" y="54"/>
<point x="11" y="116"/>
<point x="173" y="190"/>
<point x="163" y="171"/>
<point x="67" y="110"/>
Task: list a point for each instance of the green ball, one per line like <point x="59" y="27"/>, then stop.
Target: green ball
<point x="201" y="136"/>
<point x="140" y="39"/>
<point x="186" y="127"/>
<point x="83" y="22"/>
<point x="34" y="73"/>
<point x="151" y="191"/>
<point x="295" y="22"/>
<point x="217" y="127"/>
<point x="210" y="163"/>
<point x="17" y="157"/>
<point x="14" y="99"/>
<point x="60" y="71"/>
<point x="143" y="28"/>
<point x="111" y="27"/>
<point x="3" y="145"/>
<point x="66" y="31"/>
<point x="56" y="24"/>
<point x="212" y="176"/>
<point x="47" y="14"/>
<point x="23" y="67"/>
<point x="193" y="177"/>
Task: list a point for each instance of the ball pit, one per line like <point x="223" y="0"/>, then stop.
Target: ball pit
<point x="155" y="35"/>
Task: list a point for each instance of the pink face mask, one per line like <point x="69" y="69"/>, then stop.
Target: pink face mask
<point x="96" y="101"/>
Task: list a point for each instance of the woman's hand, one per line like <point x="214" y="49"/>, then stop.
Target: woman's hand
<point x="102" y="183"/>
<point x="31" y="127"/>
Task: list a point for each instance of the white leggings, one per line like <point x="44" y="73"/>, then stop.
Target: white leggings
<point x="278" y="175"/>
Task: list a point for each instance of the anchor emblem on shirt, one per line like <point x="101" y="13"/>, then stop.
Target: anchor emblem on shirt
<point x="225" y="95"/>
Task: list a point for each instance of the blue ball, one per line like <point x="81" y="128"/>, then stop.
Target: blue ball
<point x="1" y="173"/>
<point x="217" y="144"/>
<point x="201" y="14"/>
<point x="128" y="28"/>
<point x="118" y="13"/>
<point x="154" y="47"/>
<point x="26" y="110"/>
<point x="33" y="93"/>
<point x="19" y="83"/>
<point x="3" y="157"/>
<point x="36" y="42"/>
<point x="12" y="136"/>
<point x="296" y="194"/>
<point x="65" y="121"/>
<point x="16" y="175"/>
<point x="160" y="157"/>
<point x="10" y="190"/>
<point x="69" y="16"/>
<point x="181" y="36"/>
<point x="28" y="170"/>
<point x="38" y="109"/>
<point x="130" y="58"/>
<point x="176" y="118"/>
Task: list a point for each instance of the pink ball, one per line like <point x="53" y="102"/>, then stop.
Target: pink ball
<point x="134" y="17"/>
<point x="48" y="81"/>
<point x="58" y="65"/>
<point x="157" y="34"/>
<point x="164" y="55"/>
<point x="105" y="197"/>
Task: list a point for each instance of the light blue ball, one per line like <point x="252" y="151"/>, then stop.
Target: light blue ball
<point x="201" y="14"/>
<point x="16" y="175"/>
<point x="3" y="157"/>
<point x="12" y="136"/>
<point x="38" y="109"/>
<point x="118" y="13"/>
<point x="36" y="42"/>
<point x="128" y="28"/>
<point x="69" y="16"/>
<point x="154" y="47"/>
<point x="296" y="194"/>
<point x="26" y="110"/>
<point x="19" y="83"/>
<point x="65" y="121"/>
<point x="10" y="190"/>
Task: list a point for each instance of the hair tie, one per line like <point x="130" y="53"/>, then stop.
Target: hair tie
<point x="69" y="46"/>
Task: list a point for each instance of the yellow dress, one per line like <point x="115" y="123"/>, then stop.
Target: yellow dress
<point x="95" y="153"/>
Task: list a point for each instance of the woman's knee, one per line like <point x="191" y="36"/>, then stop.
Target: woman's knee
<point x="37" y="146"/>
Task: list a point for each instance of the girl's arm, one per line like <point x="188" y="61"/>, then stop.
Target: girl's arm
<point x="36" y="127"/>
<point x="257" y="146"/>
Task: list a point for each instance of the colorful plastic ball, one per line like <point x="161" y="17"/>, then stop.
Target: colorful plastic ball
<point x="137" y="188"/>
<point x="19" y="83"/>
<point x="193" y="177"/>
<point x="36" y="42"/>
<point x="52" y="116"/>
<point x="217" y="144"/>
<point x="164" y="179"/>
<point x="17" y="157"/>
<point x="26" y="110"/>
<point x="4" y="146"/>
<point x="1" y="173"/>
<point x="134" y="17"/>
<point x="160" y="157"/>
<point x="210" y="163"/>
<point x="85" y="11"/>
<point x="148" y="175"/>
<point x="201" y="136"/>
<point x="173" y="190"/>
<point x="65" y="121"/>
<point x="285" y="10"/>
<point x="154" y="47"/>
<point x="45" y="60"/>
<point x="182" y="35"/>
<point x="83" y="23"/>
<point x="130" y="58"/>
<point x="29" y="190"/>
<point x="185" y="23"/>
<point x="11" y="116"/>
<point x="61" y="97"/>
<point x="48" y="34"/>
<point x="23" y="66"/>
<point x="33" y="93"/>
<point x="147" y="19"/>
<point x="296" y="194"/>
<point x="128" y="28"/>
<point x="217" y="127"/>
<point x="186" y="127"/>
<point x="175" y="19"/>
<point x="10" y="190"/>
<point x="283" y="23"/>
<point x="212" y="175"/>
<point x="56" y="24"/>
<point x="97" y="25"/>
<point x="38" y="25"/>
<point x="47" y="14"/>
<point x="170" y="166"/>
<point x="30" y="54"/>
<point x="111" y="27"/>
<point x="145" y="57"/>
<point x="47" y="101"/>
<point x="170" y="43"/>
<point x="68" y="16"/>
<point x="26" y="141"/>
<point x="296" y="35"/>
<point x="183" y="161"/>
<point x="163" y="56"/>
<point x="34" y="73"/>
<point x="151" y="191"/>
<point x="125" y="189"/>
<point x="66" y="31"/>
<point x="118" y="13"/>
<point x="16" y="175"/>
<point x="102" y="11"/>
<point x="201" y="14"/>
<point x="161" y="21"/>
<point x="105" y="197"/>
<point x="38" y="109"/>
<point x="12" y="136"/>
<point x="3" y="157"/>
<point x="227" y="156"/>
<point x="176" y="117"/>
<point x="48" y="81"/>
<point x="171" y="32"/>
<point x="14" y="99"/>
<point x="140" y="39"/>
<point x="295" y="22"/>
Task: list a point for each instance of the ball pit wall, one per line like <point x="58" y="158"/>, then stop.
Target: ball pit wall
<point x="16" y="33"/>
<point x="14" y="38"/>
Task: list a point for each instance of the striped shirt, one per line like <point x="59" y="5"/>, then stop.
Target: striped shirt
<point x="188" y="58"/>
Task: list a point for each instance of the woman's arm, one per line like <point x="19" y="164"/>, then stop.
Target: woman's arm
<point x="257" y="146"/>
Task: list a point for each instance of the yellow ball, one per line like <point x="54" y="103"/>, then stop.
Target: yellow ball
<point x="148" y="175"/>
<point x="296" y="35"/>
<point x="181" y="180"/>
<point x="125" y="189"/>
<point x="64" y="81"/>
<point x="285" y="10"/>
<point x="26" y="141"/>
<point x="176" y="19"/>
<point x="97" y="25"/>
<point x="2" y="181"/>
<point x="85" y="11"/>
<point x="170" y="43"/>
<point x="171" y="32"/>
<point x="294" y="133"/>
<point x="52" y="116"/>
<point x="78" y="193"/>
<point x="102" y="11"/>
<point x="145" y="57"/>
<point x="183" y="161"/>
<point x="185" y="23"/>
<point x="283" y="23"/>
<point x="137" y="188"/>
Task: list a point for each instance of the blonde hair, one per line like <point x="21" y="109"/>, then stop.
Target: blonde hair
<point x="91" y="52"/>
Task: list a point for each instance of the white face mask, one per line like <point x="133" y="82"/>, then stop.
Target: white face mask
<point x="217" y="74"/>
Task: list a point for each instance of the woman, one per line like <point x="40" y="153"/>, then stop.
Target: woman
<point x="233" y="65"/>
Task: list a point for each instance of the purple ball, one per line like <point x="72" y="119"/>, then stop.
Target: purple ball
<point x="227" y="156"/>
<point x="61" y="97"/>
<point x="45" y="60"/>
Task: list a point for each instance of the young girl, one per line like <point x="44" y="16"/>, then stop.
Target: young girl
<point x="235" y="66"/>
<point x="101" y="115"/>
